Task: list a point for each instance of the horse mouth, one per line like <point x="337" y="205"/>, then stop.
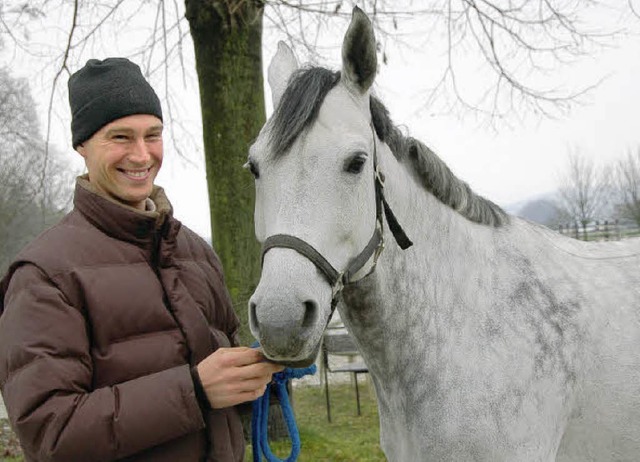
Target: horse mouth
<point x="295" y="363"/>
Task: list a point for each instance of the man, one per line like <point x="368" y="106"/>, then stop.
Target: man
<point x="117" y="335"/>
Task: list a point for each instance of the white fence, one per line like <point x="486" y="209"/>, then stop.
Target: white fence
<point x="600" y="230"/>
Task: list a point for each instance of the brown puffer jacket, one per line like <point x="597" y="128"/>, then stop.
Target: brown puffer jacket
<point x="102" y="316"/>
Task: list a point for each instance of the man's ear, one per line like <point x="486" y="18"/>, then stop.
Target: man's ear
<point x="81" y="150"/>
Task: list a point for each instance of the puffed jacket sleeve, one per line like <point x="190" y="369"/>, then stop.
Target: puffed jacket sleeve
<point x="46" y="381"/>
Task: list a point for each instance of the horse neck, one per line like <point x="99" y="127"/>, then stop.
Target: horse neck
<point x="424" y="290"/>
<point x="445" y="242"/>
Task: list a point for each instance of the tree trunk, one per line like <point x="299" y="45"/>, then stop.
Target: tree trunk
<point x="227" y="39"/>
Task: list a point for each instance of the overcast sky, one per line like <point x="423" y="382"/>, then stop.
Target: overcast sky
<point x="505" y="164"/>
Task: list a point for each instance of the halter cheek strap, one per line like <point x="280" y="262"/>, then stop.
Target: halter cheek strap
<point x="374" y="247"/>
<point x="399" y="235"/>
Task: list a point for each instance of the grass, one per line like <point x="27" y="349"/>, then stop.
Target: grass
<point x="348" y="438"/>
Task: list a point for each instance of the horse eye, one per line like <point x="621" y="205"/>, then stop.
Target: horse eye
<point x="253" y="168"/>
<point x="356" y="164"/>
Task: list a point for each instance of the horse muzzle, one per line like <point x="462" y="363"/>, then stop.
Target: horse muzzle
<point x="290" y="308"/>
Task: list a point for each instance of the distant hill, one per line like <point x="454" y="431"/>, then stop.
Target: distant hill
<point x="541" y="209"/>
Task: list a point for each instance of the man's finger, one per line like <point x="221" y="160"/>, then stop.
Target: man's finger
<point x="245" y="386"/>
<point x="256" y="371"/>
<point x="240" y="356"/>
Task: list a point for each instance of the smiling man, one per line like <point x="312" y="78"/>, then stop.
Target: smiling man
<point x="117" y="335"/>
<point x="123" y="158"/>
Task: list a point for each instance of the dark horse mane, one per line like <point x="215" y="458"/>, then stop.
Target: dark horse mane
<point x="299" y="107"/>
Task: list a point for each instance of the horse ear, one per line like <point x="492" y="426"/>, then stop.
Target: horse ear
<point x="283" y="64"/>
<point x="359" y="61"/>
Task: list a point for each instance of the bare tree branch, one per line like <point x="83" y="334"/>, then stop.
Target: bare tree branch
<point x="633" y="9"/>
<point x="63" y="67"/>
<point x="517" y="48"/>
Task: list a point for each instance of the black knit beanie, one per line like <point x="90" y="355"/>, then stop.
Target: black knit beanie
<point x="103" y="91"/>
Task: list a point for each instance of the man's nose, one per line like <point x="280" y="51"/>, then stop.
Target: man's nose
<point x="139" y="152"/>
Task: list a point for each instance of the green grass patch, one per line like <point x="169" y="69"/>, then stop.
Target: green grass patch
<point x="348" y="438"/>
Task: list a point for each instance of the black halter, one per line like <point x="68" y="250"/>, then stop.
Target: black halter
<point x="336" y="279"/>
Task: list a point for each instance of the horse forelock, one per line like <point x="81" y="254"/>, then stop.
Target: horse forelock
<point x="299" y="108"/>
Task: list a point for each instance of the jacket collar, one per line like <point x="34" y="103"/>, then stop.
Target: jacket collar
<point x="124" y="222"/>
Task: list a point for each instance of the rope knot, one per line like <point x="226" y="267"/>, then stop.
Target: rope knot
<point x="293" y="373"/>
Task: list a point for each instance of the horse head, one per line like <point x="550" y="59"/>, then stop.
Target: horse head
<point x="316" y="205"/>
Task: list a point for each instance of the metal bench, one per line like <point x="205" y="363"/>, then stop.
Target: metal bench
<point x="338" y="342"/>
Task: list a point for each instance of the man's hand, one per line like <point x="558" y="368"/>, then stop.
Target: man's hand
<point x="231" y="376"/>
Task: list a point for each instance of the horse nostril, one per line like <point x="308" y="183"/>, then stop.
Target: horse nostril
<point x="253" y="319"/>
<point x="310" y="314"/>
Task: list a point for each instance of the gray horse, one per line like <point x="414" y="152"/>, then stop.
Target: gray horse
<point x="490" y="338"/>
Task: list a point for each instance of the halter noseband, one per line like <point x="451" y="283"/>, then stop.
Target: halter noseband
<point x="337" y="279"/>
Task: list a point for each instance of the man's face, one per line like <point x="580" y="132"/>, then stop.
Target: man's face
<point x="123" y="158"/>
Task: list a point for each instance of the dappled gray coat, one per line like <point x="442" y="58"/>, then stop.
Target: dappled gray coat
<point x="102" y="317"/>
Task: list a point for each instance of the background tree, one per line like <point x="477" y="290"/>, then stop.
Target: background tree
<point x="585" y="191"/>
<point x="627" y="183"/>
<point x="34" y="190"/>
<point x="227" y="38"/>
<point x="497" y="62"/>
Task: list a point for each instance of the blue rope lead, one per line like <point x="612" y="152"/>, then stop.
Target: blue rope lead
<point x="260" y="415"/>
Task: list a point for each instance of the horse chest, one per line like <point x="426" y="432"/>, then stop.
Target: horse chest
<point x="471" y="390"/>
